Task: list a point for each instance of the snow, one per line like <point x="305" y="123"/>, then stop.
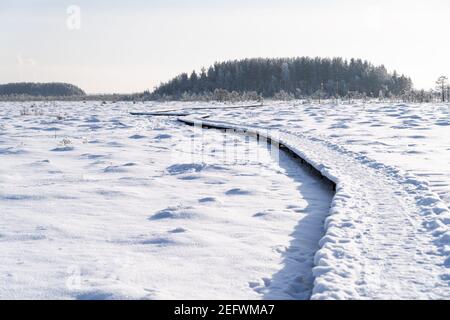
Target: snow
<point x="98" y="204"/>
<point x="413" y="137"/>
<point x="387" y="235"/>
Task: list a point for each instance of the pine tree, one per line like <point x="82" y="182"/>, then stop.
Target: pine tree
<point x="441" y="85"/>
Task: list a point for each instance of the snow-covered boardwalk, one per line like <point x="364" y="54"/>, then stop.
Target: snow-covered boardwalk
<point x="387" y="235"/>
<point x="98" y="204"/>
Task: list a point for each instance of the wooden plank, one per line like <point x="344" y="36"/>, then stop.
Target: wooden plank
<point x="210" y="125"/>
<point x="159" y="114"/>
<point x="182" y="112"/>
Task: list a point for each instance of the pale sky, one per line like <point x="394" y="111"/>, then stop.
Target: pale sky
<point x="129" y="46"/>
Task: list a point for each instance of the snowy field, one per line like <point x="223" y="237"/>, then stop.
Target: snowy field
<point x="387" y="236"/>
<point x="98" y="204"/>
<point x="413" y="137"/>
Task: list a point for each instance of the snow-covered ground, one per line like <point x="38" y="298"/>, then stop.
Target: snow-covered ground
<point x="387" y="235"/>
<point x="98" y="204"/>
<point x="414" y="137"/>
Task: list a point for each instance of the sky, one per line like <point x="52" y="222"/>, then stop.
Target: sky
<point x="134" y="45"/>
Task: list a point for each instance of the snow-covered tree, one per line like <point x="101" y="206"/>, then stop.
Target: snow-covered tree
<point x="441" y="86"/>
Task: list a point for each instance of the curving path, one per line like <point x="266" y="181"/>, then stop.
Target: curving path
<point x="98" y="204"/>
<point x="387" y="233"/>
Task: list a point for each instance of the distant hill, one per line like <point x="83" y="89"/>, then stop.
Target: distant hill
<point x="301" y="77"/>
<point x="41" y="89"/>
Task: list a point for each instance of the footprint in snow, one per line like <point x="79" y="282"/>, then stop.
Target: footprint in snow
<point x="40" y="163"/>
<point x="260" y="286"/>
<point x="114" y="144"/>
<point x="96" y="295"/>
<point x="178" y="230"/>
<point x="119" y="169"/>
<point x="177" y="169"/>
<point x="182" y="168"/>
<point x="260" y="214"/>
<point x="11" y="151"/>
<point x="447" y="263"/>
<point x="172" y="213"/>
<point x="189" y="178"/>
<point x="63" y="149"/>
<point x="157" y="241"/>
<point x="237" y="192"/>
<point x="47" y="129"/>
<point x="443" y="123"/>
<point x="137" y="137"/>
<point x="163" y="137"/>
<point x="92" y="119"/>
<point x="92" y="156"/>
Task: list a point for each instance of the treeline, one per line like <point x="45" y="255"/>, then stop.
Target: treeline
<point x="297" y="77"/>
<point x="40" y="90"/>
<point x="93" y="97"/>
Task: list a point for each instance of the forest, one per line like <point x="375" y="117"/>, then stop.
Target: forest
<point x="300" y="77"/>
<point x="40" y="89"/>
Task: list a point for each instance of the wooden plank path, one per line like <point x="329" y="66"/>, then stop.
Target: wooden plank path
<point x="259" y="135"/>
<point x="159" y="114"/>
<point x="382" y="240"/>
<point x="182" y="112"/>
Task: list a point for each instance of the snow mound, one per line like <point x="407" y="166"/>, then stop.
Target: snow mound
<point x="177" y="212"/>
